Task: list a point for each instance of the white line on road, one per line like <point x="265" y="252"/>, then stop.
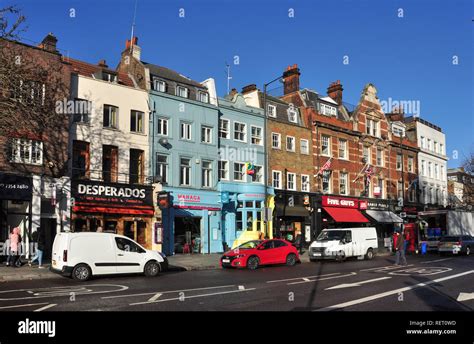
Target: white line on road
<point x="357" y="284"/>
<point x="168" y="291"/>
<point x="45" y="307"/>
<point x="25" y="305"/>
<point x="434" y="261"/>
<point x="386" y="267"/>
<point x="298" y="278"/>
<point x="323" y="279"/>
<point x="191" y="297"/>
<point x="391" y="292"/>
<point x="465" y="296"/>
<point x="155" y="297"/>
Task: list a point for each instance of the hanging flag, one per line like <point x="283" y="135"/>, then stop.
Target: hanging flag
<point x="369" y="171"/>
<point x="325" y="167"/>
<point x="250" y="168"/>
<point x="413" y="184"/>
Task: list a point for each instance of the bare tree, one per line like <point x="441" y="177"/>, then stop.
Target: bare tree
<point x="11" y="22"/>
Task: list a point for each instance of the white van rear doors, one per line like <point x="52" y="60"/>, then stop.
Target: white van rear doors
<point x="130" y="256"/>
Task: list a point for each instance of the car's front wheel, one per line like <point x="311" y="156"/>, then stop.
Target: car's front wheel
<point x="81" y="272"/>
<point x="291" y="259"/>
<point x="253" y="263"/>
<point x="370" y="254"/>
<point x="152" y="269"/>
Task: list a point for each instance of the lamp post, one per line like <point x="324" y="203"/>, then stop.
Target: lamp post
<point x="265" y="150"/>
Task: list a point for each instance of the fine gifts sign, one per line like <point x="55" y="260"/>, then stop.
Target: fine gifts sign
<point x="341" y="202"/>
<point x="110" y="194"/>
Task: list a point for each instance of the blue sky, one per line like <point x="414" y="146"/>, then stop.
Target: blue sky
<point x="406" y="58"/>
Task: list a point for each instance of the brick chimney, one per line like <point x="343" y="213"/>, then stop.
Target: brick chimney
<point x="49" y="43"/>
<point x="335" y="91"/>
<point x="132" y="45"/>
<point x="103" y="64"/>
<point x="249" y="88"/>
<point x="292" y="79"/>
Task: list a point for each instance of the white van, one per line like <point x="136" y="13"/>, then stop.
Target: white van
<point x="342" y="243"/>
<point x="82" y="255"/>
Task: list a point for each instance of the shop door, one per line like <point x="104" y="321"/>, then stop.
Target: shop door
<point x="49" y="227"/>
<point x="187" y="234"/>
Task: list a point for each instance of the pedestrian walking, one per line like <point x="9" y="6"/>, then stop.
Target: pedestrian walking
<point x="15" y="242"/>
<point x="39" y="248"/>
<point x="400" y="249"/>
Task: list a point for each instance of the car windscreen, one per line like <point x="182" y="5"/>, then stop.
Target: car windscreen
<point x="450" y="238"/>
<point x="331" y="235"/>
<point x="250" y="244"/>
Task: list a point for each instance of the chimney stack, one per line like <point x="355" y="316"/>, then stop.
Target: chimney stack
<point x="131" y="45"/>
<point x="249" y="88"/>
<point x="49" y="43"/>
<point x="292" y="79"/>
<point x="233" y="92"/>
<point x="103" y="64"/>
<point x="335" y="91"/>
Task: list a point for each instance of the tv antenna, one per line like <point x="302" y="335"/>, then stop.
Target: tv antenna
<point x="133" y="26"/>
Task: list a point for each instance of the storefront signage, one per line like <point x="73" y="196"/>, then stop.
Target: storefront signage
<point x="189" y="198"/>
<point x="373" y="205"/>
<point x="329" y="201"/>
<point x="14" y="187"/>
<point x="111" y="193"/>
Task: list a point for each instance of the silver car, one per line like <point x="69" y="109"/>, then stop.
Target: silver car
<point x="456" y="244"/>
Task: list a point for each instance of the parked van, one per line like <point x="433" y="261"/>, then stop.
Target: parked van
<point x="342" y="243"/>
<point x="85" y="254"/>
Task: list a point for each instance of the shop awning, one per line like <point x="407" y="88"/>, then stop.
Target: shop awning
<point x="282" y="210"/>
<point x="346" y="215"/>
<point x="383" y="216"/>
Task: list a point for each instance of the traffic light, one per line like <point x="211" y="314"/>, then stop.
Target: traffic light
<point x="164" y="200"/>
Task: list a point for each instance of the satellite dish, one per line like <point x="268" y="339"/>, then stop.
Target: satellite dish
<point x="163" y="141"/>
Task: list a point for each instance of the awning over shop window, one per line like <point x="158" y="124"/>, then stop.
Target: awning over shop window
<point x="383" y="216"/>
<point x="282" y="210"/>
<point x="346" y="215"/>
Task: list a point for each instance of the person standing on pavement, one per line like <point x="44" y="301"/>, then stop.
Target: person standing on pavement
<point x="400" y="250"/>
<point x="39" y="249"/>
<point x="15" y="241"/>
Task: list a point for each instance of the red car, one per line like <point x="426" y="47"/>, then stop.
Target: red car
<point x="254" y="253"/>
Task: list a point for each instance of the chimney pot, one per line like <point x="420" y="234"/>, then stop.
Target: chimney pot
<point x="335" y="91"/>
<point x="49" y="43"/>
<point x="103" y="64"/>
<point x="291" y="78"/>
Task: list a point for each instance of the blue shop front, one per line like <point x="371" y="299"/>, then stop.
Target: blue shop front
<point x="193" y="223"/>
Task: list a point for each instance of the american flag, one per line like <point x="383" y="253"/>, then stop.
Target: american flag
<point x="325" y="167"/>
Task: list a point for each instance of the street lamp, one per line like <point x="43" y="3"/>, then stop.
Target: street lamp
<point x="265" y="151"/>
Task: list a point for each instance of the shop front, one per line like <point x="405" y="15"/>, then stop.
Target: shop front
<point x="292" y="215"/>
<point x="383" y="219"/>
<point x="124" y="209"/>
<point x="192" y="223"/>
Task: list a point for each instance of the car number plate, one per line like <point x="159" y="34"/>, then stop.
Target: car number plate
<point x="225" y="260"/>
<point x="317" y="254"/>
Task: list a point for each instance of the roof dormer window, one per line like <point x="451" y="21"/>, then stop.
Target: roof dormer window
<point x="292" y="115"/>
<point x="327" y="110"/>
<point x="203" y="97"/>
<point x="159" y="85"/>
<point x="110" y="77"/>
<point x="182" y="91"/>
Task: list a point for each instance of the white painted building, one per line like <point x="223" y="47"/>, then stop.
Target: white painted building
<point x="432" y="161"/>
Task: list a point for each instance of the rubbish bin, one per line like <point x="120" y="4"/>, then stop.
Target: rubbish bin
<point x="424" y="247"/>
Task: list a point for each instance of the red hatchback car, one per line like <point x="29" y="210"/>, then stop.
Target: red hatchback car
<point x="254" y="253"/>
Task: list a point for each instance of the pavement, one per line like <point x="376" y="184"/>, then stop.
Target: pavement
<point x="427" y="283"/>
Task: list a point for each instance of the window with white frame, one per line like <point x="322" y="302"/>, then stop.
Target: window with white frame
<point x="372" y="127"/>
<point x="305" y="183"/>
<point x="159" y="85"/>
<point x="290" y="181"/>
<point x="258" y="174"/>
<point x="82" y="110"/>
<point x="182" y="91"/>
<point x="206" y="134"/>
<point x="203" y="97"/>
<point x="162" y="126"/>
<point x="304" y="146"/>
<point x="436" y="171"/>
<point x="441" y="149"/>
<point x="26" y="151"/>
<point x="256" y="135"/>
<point x="430" y="170"/>
<point x="162" y="167"/>
<point x="292" y="115"/>
<point x="379" y="157"/>
<point x="185" y="171"/>
<point x="342" y="149"/>
<point x="429" y="144"/>
<point x="399" y="189"/>
<point x="443" y="176"/>
<point x="224" y="130"/>
<point x="290" y="143"/>
<point x="343" y="183"/>
<point x="327" y="110"/>
<point x="239" y="171"/>
<point x="423" y="142"/>
<point x="276" y="140"/>
<point x="411" y="167"/>
<point x="276" y="179"/>
<point x="327" y="181"/>
<point x="435" y="146"/>
<point x="366" y="154"/>
<point x="423" y="168"/>
<point x="399" y="162"/>
<point x="110" y="116"/>
<point x="271" y="110"/>
<point x="186" y="133"/>
<point x="223" y="170"/>
<point x="136" y="121"/>
<point x="240" y="131"/>
<point x="206" y="174"/>
<point x="325" y="145"/>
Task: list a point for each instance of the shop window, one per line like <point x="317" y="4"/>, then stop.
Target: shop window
<point x="238" y="221"/>
<point x="109" y="163"/>
<point x="80" y="159"/>
<point x="110" y="226"/>
<point x="137" y="166"/>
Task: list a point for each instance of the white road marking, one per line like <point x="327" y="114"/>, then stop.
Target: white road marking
<point x="323" y="279"/>
<point x="25" y="305"/>
<point x="155" y="297"/>
<point x="45" y="307"/>
<point x="298" y="278"/>
<point x="241" y="287"/>
<point x="437" y="260"/>
<point x="191" y="297"/>
<point x="420" y="271"/>
<point x="168" y="291"/>
<point x="357" y="284"/>
<point x="391" y="292"/>
<point x="384" y="268"/>
<point x="465" y="296"/>
<point x="306" y="279"/>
